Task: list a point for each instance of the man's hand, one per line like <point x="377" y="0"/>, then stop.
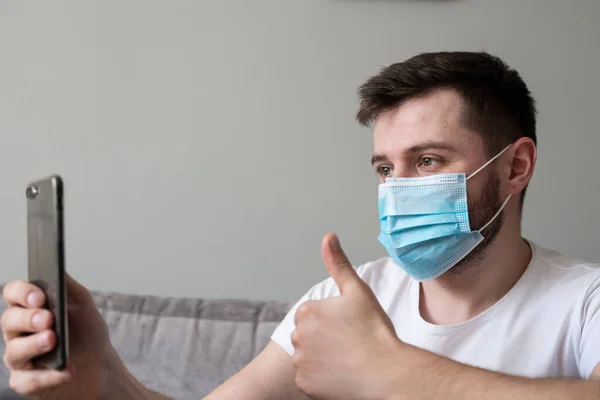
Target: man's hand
<point x="93" y="362"/>
<point x="344" y="346"/>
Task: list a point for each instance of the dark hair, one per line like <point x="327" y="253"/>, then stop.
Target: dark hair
<point x="498" y="104"/>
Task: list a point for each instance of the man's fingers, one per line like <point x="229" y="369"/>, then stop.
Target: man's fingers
<point x="306" y="311"/>
<point x="18" y="320"/>
<point x="20" y="350"/>
<point x="337" y="264"/>
<point x="23" y="294"/>
<point x="33" y="381"/>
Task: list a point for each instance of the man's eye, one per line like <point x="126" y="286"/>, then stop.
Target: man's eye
<point x="427" y="162"/>
<point x="384" y="171"/>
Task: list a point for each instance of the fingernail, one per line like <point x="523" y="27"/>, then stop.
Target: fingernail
<point x="38" y="320"/>
<point x="34" y="298"/>
<point x="43" y="340"/>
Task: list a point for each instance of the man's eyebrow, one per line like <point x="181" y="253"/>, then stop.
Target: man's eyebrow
<point x="416" y="149"/>
<point x="430" y="146"/>
<point x="378" y="158"/>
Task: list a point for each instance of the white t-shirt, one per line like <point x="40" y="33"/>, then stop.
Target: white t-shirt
<point x="547" y="325"/>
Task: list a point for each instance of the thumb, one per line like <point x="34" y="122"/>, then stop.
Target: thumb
<point x="337" y="263"/>
<point x="76" y="292"/>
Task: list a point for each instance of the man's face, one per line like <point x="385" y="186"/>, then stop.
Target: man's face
<point x="425" y="136"/>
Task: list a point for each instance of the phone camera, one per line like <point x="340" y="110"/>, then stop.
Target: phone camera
<point x="31" y="192"/>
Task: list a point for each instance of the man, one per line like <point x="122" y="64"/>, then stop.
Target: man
<point x="464" y="307"/>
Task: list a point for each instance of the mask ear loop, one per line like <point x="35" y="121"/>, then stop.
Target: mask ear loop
<point x="489" y="162"/>
<point x="505" y="201"/>
<point x="497" y="213"/>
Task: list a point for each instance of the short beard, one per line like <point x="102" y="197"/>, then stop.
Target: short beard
<point x="481" y="210"/>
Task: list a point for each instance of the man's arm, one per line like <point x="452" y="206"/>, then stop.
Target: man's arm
<point x="458" y="381"/>
<point x="596" y="373"/>
<point x="119" y="383"/>
<point x="441" y="378"/>
<point x="348" y="346"/>
<point x="270" y="376"/>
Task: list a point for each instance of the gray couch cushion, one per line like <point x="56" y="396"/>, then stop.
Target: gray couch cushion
<point x="182" y="347"/>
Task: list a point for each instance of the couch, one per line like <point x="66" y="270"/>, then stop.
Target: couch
<point x="181" y="347"/>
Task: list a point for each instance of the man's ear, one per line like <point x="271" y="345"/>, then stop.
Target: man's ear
<point x="524" y="156"/>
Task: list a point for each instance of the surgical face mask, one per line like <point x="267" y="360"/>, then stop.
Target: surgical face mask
<point x="425" y="222"/>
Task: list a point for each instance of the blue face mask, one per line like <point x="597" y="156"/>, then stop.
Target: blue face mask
<point x="425" y="222"/>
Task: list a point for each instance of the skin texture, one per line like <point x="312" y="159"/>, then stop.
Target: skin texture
<point x="345" y="347"/>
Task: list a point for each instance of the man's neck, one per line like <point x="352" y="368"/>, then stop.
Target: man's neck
<point x="453" y="299"/>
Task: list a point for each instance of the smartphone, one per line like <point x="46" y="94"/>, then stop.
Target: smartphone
<point x="46" y="260"/>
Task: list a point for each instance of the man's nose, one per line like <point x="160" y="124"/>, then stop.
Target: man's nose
<point x="404" y="172"/>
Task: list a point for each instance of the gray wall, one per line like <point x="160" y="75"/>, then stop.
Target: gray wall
<point x="207" y="146"/>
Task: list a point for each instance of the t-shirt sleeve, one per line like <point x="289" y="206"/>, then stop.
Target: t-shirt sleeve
<point x="590" y="333"/>
<point x="283" y="332"/>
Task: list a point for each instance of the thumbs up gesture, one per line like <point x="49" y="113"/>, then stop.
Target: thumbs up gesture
<point x="344" y="346"/>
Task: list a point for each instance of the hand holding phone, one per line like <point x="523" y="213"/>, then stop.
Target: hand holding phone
<point x="42" y="360"/>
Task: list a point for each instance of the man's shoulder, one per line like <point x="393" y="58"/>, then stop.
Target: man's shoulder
<point x="571" y="286"/>
<point x="556" y="262"/>
<point x="381" y="274"/>
<point x="381" y="266"/>
<point x="551" y="269"/>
